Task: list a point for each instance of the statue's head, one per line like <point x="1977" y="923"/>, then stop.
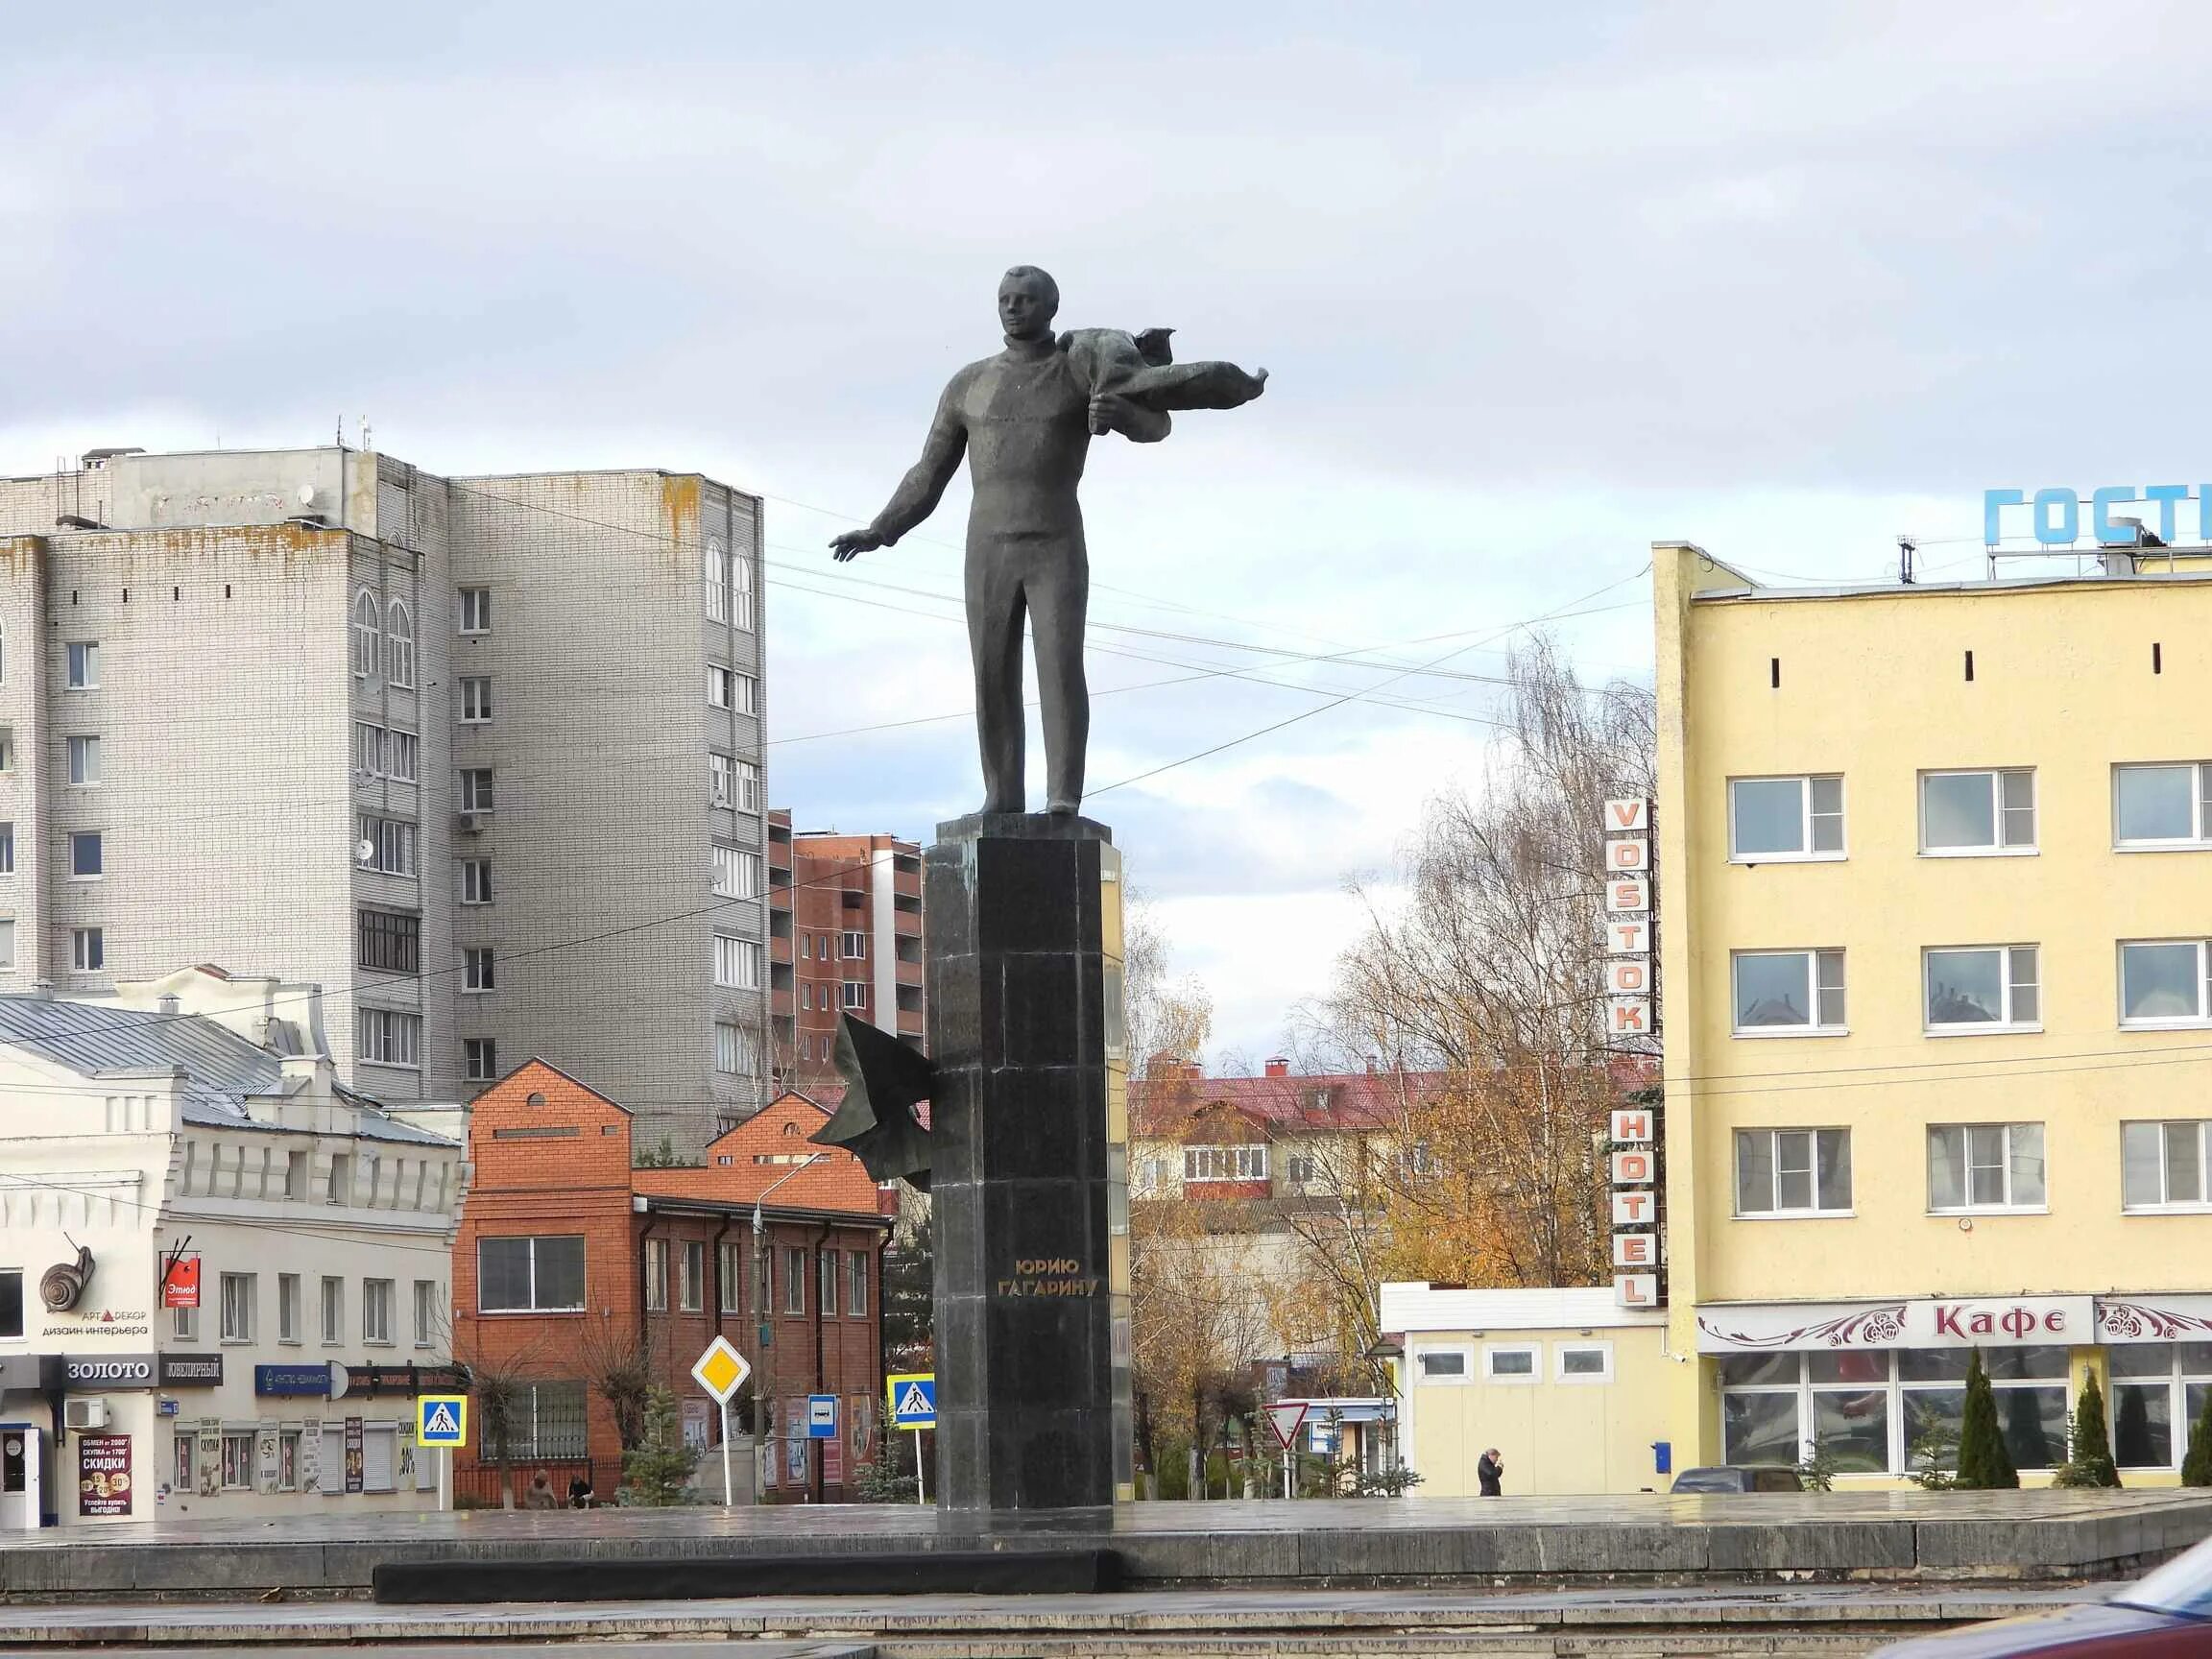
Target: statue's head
<point x="1028" y="300"/>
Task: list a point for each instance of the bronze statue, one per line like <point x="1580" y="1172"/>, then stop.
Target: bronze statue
<point x="1025" y="419"/>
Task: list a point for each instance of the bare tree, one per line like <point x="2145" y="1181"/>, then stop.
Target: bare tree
<point x="1488" y="972"/>
<point x="1161" y="1016"/>
<point x="617" y="1362"/>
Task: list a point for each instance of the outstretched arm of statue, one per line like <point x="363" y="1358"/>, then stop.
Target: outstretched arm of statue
<point x="921" y="489"/>
<point x="1111" y="412"/>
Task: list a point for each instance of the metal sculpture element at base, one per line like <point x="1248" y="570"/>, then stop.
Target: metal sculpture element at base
<point x="1027" y="1188"/>
<point x="1025" y="419"/>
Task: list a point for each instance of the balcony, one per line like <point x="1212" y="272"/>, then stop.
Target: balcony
<point x="909" y="972"/>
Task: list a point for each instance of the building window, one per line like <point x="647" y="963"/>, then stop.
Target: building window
<point x="1777" y="818"/>
<point x="7" y="748"/>
<point x="794" y="1280"/>
<point x="476" y="700"/>
<point x="389" y="1037"/>
<point x="1784" y="991"/>
<point x="748" y="700"/>
<point x="530" y="1275"/>
<point x="11" y="1302"/>
<point x="334" y="1311"/>
<point x="2164" y="1165"/>
<point x="88" y="949"/>
<point x="855" y="947"/>
<point x="691" y="1277"/>
<point x="721" y="692"/>
<point x="184" y="1322"/>
<point x="747" y="779"/>
<point x="717" y="574"/>
<point x="475" y="880"/>
<point x="2162" y="806"/>
<point x="368" y="633"/>
<point x="288" y="1460"/>
<point x="1986" y="1166"/>
<point x="730" y="1278"/>
<point x="826" y="1283"/>
<point x="476" y="968"/>
<point x="1868" y="1409"/>
<point x="736" y="962"/>
<point x="296" y="1163"/>
<point x="1510" y="1362"/>
<point x="238" y="1462"/>
<point x="657" y="1274"/>
<point x="721" y="780"/>
<point x="744" y="610"/>
<point x="1792" y="1171"/>
<point x="856" y="994"/>
<point x="1582" y="1361"/>
<point x="84" y="665"/>
<point x="737" y="874"/>
<point x="856" y="1283"/>
<point x="376" y="1311"/>
<point x="476" y="790"/>
<point x="1989" y="989"/>
<point x="339" y="1187"/>
<point x="475" y="610"/>
<point x="238" y="1300"/>
<point x="1444" y="1364"/>
<point x="385" y="844"/>
<point x="391" y="941"/>
<point x="400" y="638"/>
<point x="6" y="942"/>
<point x="549" y="1422"/>
<point x="479" y="1059"/>
<point x="405" y="754"/>
<point x="368" y="749"/>
<point x="2164" y="982"/>
<point x="2159" y="1393"/>
<point x="84" y="856"/>
<point x="1225" y="1163"/>
<point x="1978" y="811"/>
<point x="288" y="1307"/>
<point x="733" y="1049"/>
<point x="8" y="848"/>
<point x="1301" y="1168"/>
<point x="84" y="760"/>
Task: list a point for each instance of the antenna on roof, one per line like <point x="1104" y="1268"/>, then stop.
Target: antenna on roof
<point x="1904" y="552"/>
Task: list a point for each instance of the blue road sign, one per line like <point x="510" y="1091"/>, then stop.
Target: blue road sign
<point x="913" y="1400"/>
<point x="820" y="1417"/>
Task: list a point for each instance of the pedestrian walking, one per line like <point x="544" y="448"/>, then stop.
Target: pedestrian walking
<point x="1490" y="1472"/>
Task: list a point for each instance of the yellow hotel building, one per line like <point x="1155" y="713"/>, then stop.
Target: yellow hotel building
<point x="1935" y="874"/>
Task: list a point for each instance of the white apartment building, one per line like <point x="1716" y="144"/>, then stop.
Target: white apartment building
<point x="217" y="1264"/>
<point x="479" y="757"/>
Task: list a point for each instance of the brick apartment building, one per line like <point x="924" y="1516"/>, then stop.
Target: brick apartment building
<point x="570" y="1258"/>
<point x="845" y="936"/>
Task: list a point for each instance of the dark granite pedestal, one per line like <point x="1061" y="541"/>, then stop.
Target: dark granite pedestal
<point x="1025" y="1183"/>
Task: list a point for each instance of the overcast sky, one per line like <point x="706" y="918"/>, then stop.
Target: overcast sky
<point x="1536" y="284"/>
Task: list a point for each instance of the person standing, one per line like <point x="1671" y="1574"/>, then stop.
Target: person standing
<point x="1490" y="1474"/>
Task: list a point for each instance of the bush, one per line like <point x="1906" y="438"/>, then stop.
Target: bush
<point x="656" y="1472"/>
<point x="2197" y="1465"/>
<point x="2088" y="1446"/>
<point x="1985" y="1464"/>
<point x="1935" y="1460"/>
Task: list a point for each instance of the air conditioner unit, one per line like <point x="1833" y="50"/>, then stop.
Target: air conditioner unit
<point x="469" y="823"/>
<point x="83" y="1413"/>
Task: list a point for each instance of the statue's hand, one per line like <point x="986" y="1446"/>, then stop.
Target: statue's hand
<point x="855" y="542"/>
<point x="1110" y="412"/>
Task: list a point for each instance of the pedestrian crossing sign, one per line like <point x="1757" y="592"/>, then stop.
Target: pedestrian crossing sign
<point x="442" y="1420"/>
<point x="913" y="1400"/>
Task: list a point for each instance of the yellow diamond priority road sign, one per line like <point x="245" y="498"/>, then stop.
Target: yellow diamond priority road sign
<point x="721" y="1370"/>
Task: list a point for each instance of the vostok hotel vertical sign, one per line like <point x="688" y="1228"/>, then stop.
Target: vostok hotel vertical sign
<point x="1633" y="1162"/>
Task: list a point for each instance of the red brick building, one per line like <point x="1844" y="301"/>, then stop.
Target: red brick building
<point x="571" y="1259"/>
<point x="845" y="936"/>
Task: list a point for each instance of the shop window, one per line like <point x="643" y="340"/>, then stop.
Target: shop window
<point x="1444" y="1364"/>
<point x="1510" y="1362"/>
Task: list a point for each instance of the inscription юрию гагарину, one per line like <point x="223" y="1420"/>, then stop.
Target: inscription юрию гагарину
<point x="1048" y="1276"/>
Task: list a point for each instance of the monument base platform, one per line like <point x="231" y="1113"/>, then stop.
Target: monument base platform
<point x="1646" y="1539"/>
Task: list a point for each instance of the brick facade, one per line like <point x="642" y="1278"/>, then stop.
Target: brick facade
<point x="670" y="1259"/>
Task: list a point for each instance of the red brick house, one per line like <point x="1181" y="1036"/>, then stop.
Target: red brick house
<point x="571" y="1259"/>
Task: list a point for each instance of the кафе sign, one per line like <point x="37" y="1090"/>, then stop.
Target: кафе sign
<point x="1908" y="1322"/>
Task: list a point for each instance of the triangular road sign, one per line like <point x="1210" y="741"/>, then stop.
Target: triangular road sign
<point x="914" y="1403"/>
<point x="440" y="1420"/>
<point x="1283" y="1419"/>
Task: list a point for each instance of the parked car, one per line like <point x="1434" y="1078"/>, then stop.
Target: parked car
<point x="1739" y="1478"/>
<point x="2165" y="1615"/>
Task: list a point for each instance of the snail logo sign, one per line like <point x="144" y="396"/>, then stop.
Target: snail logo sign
<point x="63" y="1285"/>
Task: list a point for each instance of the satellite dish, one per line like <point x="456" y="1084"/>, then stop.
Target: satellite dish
<point x="306" y="495"/>
<point x="364" y="850"/>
